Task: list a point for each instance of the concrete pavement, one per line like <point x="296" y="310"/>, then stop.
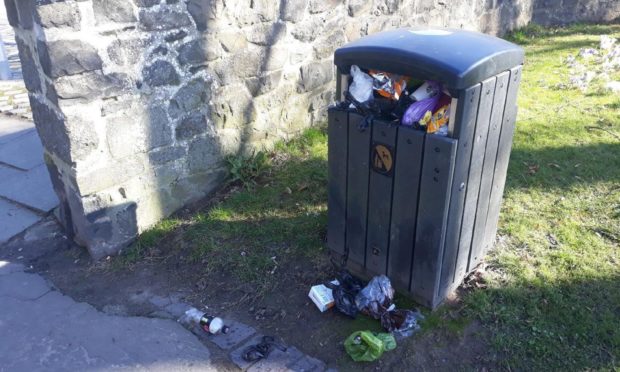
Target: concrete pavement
<point x="43" y="330"/>
<point x="26" y="193"/>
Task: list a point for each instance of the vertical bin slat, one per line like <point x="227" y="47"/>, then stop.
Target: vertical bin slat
<point x="488" y="168"/>
<point x="380" y="198"/>
<point x="475" y="169"/>
<point x="465" y="122"/>
<point x="433" y="205"/>
<point x="337" y="179"/>
<point x="357" y="188"/>
<point x="410" y="144"/>
<point x="503" y="155"/>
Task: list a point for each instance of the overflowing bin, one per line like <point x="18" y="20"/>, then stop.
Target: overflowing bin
<point x="417" y="205"/>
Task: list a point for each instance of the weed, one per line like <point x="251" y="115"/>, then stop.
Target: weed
<point x="247" y="169"/>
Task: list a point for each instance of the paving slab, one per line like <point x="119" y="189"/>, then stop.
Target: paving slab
<point x="7" y="172"/>
<point x="237" y="333"/>
<point x="32" y="188"/>
<point x="307" y="364"/>
<point x="14" y="219"/>
<point x="278" y="361"/>
<point x="24" y="152"/>
<point x="236" y="356"/>
<point x="11" y="128"/>
<point x="53" y="332"/>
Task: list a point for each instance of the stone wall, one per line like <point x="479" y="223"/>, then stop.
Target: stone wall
<point x="137" y="101"/>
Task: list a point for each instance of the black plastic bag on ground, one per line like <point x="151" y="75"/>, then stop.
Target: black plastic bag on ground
<point x="401" y="323"/>
<point x="376" y="297"/>
<point x="345" y="292"/>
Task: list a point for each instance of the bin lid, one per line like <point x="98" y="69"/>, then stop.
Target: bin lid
<point x="456" y="58"/>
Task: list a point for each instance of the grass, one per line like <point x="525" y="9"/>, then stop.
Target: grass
<point x="553" y="300"/>
<point x="552" y="296"/>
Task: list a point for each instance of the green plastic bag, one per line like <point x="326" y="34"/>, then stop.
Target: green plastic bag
<point x="365" y="346"/>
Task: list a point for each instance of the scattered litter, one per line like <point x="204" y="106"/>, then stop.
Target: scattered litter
<point x="366" y="346"/>
<point x="401" y="323"/>
<point x="345" y="292"/>
<point x="388" y="85"/>
<point x="614" y="86"/>
<point x="361" y="88"/>
<point x="208" y="323"/>
<point x="322" y="296"/>
<point x="261" y="350"/>
<point x="376" y="297"/>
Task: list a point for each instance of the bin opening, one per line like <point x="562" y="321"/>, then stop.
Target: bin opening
<point x="402" y="100"/>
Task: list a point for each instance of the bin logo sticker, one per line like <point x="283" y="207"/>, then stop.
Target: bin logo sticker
<point x="382" y="159"/>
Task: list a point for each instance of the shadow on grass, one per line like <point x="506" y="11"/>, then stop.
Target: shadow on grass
<point x="542" y="325"/>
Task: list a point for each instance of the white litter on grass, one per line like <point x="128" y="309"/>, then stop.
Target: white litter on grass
<point x="614" y="86"/>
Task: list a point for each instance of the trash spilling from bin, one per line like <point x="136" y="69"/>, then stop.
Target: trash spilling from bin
<point x="423" y="105"/>
<point x="366" y="346"/>
<point x="350" y="296"/>
<point x="208" y="323"/>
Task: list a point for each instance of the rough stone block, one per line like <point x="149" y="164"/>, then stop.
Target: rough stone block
<point x="160" y="73"/>
<point x="109" y="175"/>
<point x="325" y="47"/>
<point x="126" y="52"/>
<point x="167" y="154"/>
<point x="30" y="72"/>
<point x="359" y="7"/>
<point x="193" y="96"/>
<point x="59" y="15"/>
<point x="191" y="126"/>
<point x="202" y="11"/>
<point x="203" y="154"/>
<point x="233" y="107"/>
<point x="238" y="333"/>
<point x="266" y="33"/>
<point x="320" y="6"/>
<point x="163" y="19"/>
<point x="125" y="136"/>
<point x="294" y="10"/>
<point x="25" y="11"/>
<point x="159" y="130"/>
<point x="146" y="3"/>
<point x="68" y="57"/>
<point x="51" y="129"/>
<point x="199" y="51"/>
<point x="232" y="40"/>
<point x="315" y="74"/>
<point x="175" y="35"/>
<point x="114" y="11"/>
<point x="11" y="12"/>
<point x="89" y="86"/>
<point x="264" y="84"/>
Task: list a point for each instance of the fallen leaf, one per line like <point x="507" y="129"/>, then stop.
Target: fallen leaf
<point x="288" y="190"/>
<point x="554" y="165"/>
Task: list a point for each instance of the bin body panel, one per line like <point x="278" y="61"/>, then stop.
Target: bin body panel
<point x="357" y="188"/>
<point x="488" y="167"/>
<point x="501" y="164"/>
<point x="337" y="179"/>
<point x="437" y="174"/>
<point x="472" y="186"/>
<point x="382" y="156"/>
<point x="466" y="115"/>
<point x="407" y="174"/>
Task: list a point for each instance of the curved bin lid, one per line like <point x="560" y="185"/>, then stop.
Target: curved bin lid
<point x="456" y="58"/>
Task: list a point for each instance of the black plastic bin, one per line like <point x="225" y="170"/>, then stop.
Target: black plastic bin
<point x="429" y="219"/>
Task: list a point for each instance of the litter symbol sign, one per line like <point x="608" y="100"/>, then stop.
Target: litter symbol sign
<point x="382" y="159"/>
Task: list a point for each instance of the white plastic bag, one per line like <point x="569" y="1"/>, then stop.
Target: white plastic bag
<point x="361" y="88"/>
